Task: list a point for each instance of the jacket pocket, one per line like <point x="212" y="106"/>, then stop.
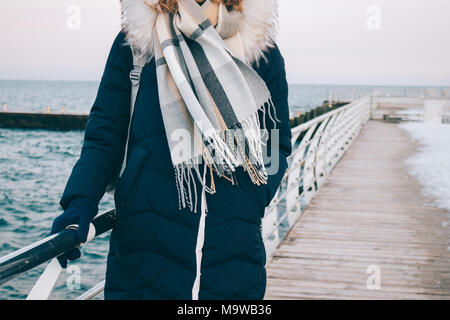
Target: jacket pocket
<point x="258" y="193"/>
<point x="127" y="181"/>
<point x="261" y="194"/>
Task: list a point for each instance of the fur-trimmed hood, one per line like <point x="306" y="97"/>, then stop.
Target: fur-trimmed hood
<point x="258" y="30"/>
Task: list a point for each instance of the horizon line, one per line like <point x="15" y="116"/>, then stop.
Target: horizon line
<point x="290" y="83"/>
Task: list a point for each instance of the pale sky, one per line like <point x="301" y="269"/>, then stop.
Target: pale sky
<point x="378" y="42"/>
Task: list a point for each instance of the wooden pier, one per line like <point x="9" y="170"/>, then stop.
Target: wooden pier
<point x="368" y="233"/>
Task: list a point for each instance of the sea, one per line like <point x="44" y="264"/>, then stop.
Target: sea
<point x="35" y="166"/>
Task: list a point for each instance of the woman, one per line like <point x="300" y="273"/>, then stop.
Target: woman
<point x="186" y="229"/>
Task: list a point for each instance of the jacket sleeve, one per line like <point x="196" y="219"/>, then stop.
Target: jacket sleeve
<point x="273" y="72"/>
<point x="106" y="130"/>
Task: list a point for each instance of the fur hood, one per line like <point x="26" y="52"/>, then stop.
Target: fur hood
<point x="258" y="30"/>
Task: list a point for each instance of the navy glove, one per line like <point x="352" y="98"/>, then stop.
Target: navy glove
<point x="80" y="211"/>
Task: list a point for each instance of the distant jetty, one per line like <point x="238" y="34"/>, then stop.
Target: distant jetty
<point x="317" y="111"/>
<point x="39" y="120"/>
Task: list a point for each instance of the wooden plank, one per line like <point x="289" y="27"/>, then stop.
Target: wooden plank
<point x="370" y="212"/>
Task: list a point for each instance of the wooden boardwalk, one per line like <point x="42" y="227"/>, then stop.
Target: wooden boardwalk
<point x="369" y="214"/>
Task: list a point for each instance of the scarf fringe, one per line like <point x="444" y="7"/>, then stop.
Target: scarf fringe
<point x="186" y="186"/>
<point x="224" y="152"/>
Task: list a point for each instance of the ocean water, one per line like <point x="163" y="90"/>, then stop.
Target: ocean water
<point x="35" y="166"/>
<point x="78" y="96"/>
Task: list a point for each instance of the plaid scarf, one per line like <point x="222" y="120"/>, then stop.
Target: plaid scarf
<point x="209" y="98"/>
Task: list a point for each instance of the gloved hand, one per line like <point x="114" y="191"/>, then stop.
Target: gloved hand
<point x="80" y="211"/>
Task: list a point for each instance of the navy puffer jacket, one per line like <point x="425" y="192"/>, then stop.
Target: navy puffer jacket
<point x="153" y="245"/>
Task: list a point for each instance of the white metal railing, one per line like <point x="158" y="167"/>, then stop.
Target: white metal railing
<point x="93" y="292"/>
<point x="318" y="145"/>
